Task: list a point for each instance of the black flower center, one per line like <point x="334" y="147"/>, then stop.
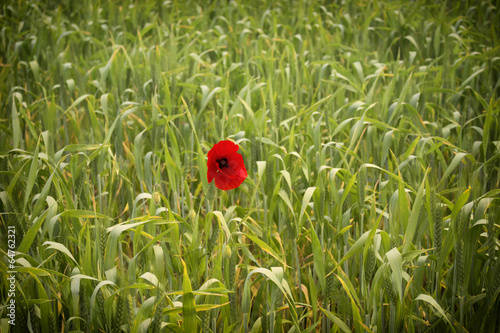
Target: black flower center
<point x="222" y="163"/>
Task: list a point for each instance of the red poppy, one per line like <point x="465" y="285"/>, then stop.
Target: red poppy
<point x="226" y="166"/>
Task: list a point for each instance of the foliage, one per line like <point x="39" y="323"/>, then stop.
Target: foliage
<point x="369" y="129"/>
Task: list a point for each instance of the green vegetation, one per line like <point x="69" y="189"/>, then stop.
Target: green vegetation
<point x="108" y="112"/>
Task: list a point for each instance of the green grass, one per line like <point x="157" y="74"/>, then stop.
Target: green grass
<point x="108" y="112"/>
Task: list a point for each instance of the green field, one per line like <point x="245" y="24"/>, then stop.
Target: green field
<point x="107" y="114"/>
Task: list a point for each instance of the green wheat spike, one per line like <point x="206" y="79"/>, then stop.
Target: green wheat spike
<point x="269" y="177"/>
<point x="421" y="217"/>
<point x="84" y="306"/>
<point x="10" y="209"/>
<point x="496" y="277"/>
<point x="205" y="317"/>
<point x="438" y="225"/>
<point x="52" y="191"/>
<point x="100" y="304"/>
<point x="82" y="179"/>
<point x="22" y="319"/>
<point x="264" y="320"/>
<point x="52" y="321"/>
<point x="130" y="195"/>
<point x="347" y="203"/>
<point x="232" y="282"/>
<point x="147" y="293"/>
<point x="218" y="126"/>
<point x="254" y="151"/>
<point x="153" y="68"/>
<point x="491" y="239"/>
<point x="50" y="147"/>
<point x="35" y="324"/>
<point x="130" y="309"/>
<point x="325" y="202"/>
<point x="211" y="192"/>
<point x="389" y="289"/>
<point x="278" y="116"/>
<point x="156" y="323"/>
<point x="394" y="242"/>
<point x="35" y="244"/>
<point x="371" y="262"/>
<point x="232" y="303"/>
<point x="120" y="309"/>
<point x="212" y="242"/>
<point x="102" y="241"/>
<point x="330" y="284"/>
<point x="93" y="171"/>
<point x="232" y="265"/>
<point x="15" y="218"/>
<point x="461" y="258"/>
<point x="460" y="263"/>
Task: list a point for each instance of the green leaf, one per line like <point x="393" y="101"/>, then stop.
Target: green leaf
<point x="93" y="302"/>
<point x="31" y="175"/>
<point x="396" y="262"/>
<point x="206" y="98"/>
<point x="412" y="224"/>
<point x="32" y="232"/>
<point x="202" y="164"/>
<point x="282" y="285"/>
<point x="78" y="101"/>
<point x="305" y="201"/>
<point x="33" y="271"/>
<point x="189" y="321"/>
<point x="60" y="247"/>
<point x="337" y="321"/>
<point x="402" y="203"/>
<point x="16" y="127"/>
<point x="454" y="163"/>
<point x="43" y="195"/>
<point x="461" y="201"/>
<point x="319" y="263"/>
<point x="266" y="248"/>
<point x="428" y="299"/>
<point x="357" y="247"/>
<point x="286" y="199"/>
<point x="113" y="238"/>
<point x="385" y="145"/>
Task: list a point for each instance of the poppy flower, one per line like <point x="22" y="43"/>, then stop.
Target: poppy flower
<point x="226" y="166"/>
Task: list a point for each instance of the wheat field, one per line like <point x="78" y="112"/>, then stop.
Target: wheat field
<point x="370" y="133"/>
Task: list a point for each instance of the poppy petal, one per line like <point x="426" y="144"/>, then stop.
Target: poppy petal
<point x="212" y="170"/>
<point x="225" y="147"/>
<point x="235" y="162"/>
<point x="225" y="183"/>
<point x="231" y="175"/>
<point x="243" y="173"/>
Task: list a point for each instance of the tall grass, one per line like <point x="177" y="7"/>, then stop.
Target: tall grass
<point x="370" y="132"/>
